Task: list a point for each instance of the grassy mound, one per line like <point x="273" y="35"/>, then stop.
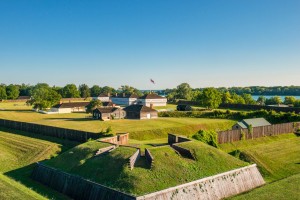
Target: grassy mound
<point x="170" y="169"/>
<point x="287" y="188"/>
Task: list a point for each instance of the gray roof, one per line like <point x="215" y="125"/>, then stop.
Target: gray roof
<point x="255" y="122"/>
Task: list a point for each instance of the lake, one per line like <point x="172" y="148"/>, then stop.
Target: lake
<point x="255" y="97"/>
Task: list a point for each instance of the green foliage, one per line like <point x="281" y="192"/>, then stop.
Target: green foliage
<point x="227" y="98"/>
<point x="12" y="91"/>
<point x="207" y="136"/>
<point x="43" y="97"/>
<point x="95" y="91"/>
<point x="84" y="91"/>
<point x="248" y="99"/>
<point x="237" y="99"/>
<point x="3" y="94"/>
<point x="243" y="135"/>
<point x="210" y="98"/>
<point x="130" y="90"/>
<point x="250" y="130"/>
<point x="70" y="91"/>
<point x="92" y="105"/>
<point x="274" y="100"/>
<point x="290" y="100"/>
<point x="261" y="100"/>
<point x="184" y="91"/>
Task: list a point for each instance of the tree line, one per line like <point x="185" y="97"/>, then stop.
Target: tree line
<point x="213" y="97"/>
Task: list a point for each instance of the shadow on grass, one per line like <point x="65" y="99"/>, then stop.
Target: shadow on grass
<point x="70" y="119"/>
<point x="17" y="110"/>
<point x="23" y="174"/>
<point x="157" y="144"/>
<point x="142" y="163"/>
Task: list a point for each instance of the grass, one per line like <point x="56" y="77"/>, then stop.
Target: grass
<point x="18" y="153"/>
<point x="170" y="169"/>
<point x="138" y="129"/>
<point x="287" y="188"/>
<point x="277" y="156"/>
<point x="10" y="189"/>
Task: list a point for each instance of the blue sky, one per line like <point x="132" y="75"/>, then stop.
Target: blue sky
<point x="204" y="43"/>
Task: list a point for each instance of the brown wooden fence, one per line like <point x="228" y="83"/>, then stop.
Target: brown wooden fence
<point x="276" y="129"/>
<point x="63" y="133"/>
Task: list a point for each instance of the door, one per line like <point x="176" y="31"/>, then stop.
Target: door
<point x="148" y="115"/>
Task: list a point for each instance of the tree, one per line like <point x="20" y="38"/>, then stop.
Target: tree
<point x="84" y="91"/>
<point x="195" y="95"/>
<point x="108" y="90"/>
<point x="184" y="91"/>
<point x="226" y="98"/>
<point x="210" y="98"/>
<point x="274" y="100"/>
<point x="44" y="97"/>
<point x="290" y="100"/>
<point x="92" y="105"/>
<point x="261" y="100"/>
<point x="248" y="99"/>
<point x="297" y="103"/>
<point x="70" y="91"/>
<point x="95" y="91"/>
<point x="12" y="91"/>
<point x="237" y="99"/>
<point x="130" y="90"/>
<point x="2" y="92"/>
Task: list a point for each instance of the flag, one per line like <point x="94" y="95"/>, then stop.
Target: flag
<point x="152" y="81"/>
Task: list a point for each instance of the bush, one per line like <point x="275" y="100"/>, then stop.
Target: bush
<point x="208" y="137"/>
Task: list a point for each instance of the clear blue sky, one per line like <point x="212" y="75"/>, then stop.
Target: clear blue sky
<point x="205" y="43"/>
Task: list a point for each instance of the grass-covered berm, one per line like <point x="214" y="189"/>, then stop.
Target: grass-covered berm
<point x="18" y="153"/>
<point x="169" y="168"/>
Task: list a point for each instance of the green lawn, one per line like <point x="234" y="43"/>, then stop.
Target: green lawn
<point x="288" y="188"/>
<point x="277" y="156"/>
<point x="18" y="153"/>
<point x="169" y="169"/>
<point x="138" y="129"/>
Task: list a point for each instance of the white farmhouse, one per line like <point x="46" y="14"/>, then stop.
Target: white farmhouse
<point x="124" y="99"/>
<point x="103" y="97"/>
<point x="152" y="99"/>
<point x="69" y="107"/>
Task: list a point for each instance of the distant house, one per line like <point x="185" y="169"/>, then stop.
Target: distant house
<point x="255" y="122"/>
<point x="108" y="113"/>
<point x="140" y="112"/>
<point x="153" y="99"/>
<point x="182" y="107"/>
<point x="124" y="99"/>
<point x="108" y="104"/>
<point x="70" y="107"/>
<point x="103" y="97"/>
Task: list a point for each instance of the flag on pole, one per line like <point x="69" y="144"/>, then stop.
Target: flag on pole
<point x="152" y="81"/>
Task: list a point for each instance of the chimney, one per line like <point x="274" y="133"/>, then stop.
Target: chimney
<point x="151" y="105"/>
<point x="124" y="94"/>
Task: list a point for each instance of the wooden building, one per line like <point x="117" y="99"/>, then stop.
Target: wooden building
<point x="70" y="107"/>
<point x="254" y="122"/>
<point x="108" y="113"/>
<point x="152" y="99"/>
<point x="140" y="112"/>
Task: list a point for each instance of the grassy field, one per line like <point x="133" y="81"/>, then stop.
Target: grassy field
<point x="288" y="188"/>
<point x="18" y="153"/>
<point x="138" y="129"/>
<point x="169" y="169"/>
<point x="277" y="156"/>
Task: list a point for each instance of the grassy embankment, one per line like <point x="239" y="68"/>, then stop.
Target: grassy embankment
<point x="138" y="129"/>
<point x="18" y="153"/>
<point x="170" y="169"/>
<point x="278" y="159"/>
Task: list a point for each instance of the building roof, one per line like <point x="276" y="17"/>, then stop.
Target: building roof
<point x="139" y="108"/>
<point x="107" y="104"/>
<point x="107" y="109"/>
<point x="152" y="96"/>
<point x="126" y="96"/>
<point x="71" y="105"/>
<point x="255" y="122"/>
<point x="104" y="95"/>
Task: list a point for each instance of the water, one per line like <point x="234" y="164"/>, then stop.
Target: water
<point x="255" y="97"/>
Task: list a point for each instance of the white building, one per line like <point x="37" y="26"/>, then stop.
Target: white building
<point x="103" y="97"/>
<point x="69" y="107"/>
<point x="124" y="99"/>
<point x="153" y="99"/>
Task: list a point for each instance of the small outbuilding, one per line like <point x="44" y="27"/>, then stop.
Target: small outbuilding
<point x="255" y="122"/>
<point x="108" y="113"/>
<point x="140" y="112"/>
<point x="183" y="107"/>
<point x="152" y="99"/>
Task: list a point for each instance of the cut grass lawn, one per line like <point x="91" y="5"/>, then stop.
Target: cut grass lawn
<point x="138" y="129"/>
<point x="18" y="153"/>
<point x="277" y="156"/>
<point x="288" y="188"/>
<point x="170" y="169"/>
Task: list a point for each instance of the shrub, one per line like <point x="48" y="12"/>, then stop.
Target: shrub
<point x="208" y="137"/>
